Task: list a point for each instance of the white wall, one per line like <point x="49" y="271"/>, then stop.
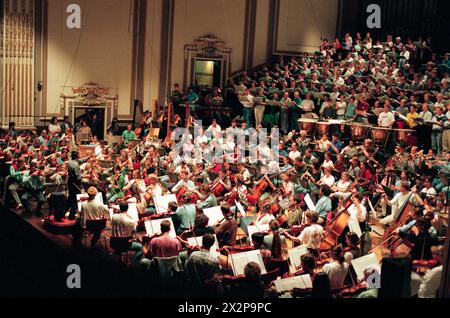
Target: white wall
<point x="195" y="18"/>
<point x="104" y="55"/>
<point x="303" y="22"/>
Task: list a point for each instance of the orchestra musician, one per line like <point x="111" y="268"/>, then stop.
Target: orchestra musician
<point x="325" y="170"/>
<point x="34" y="184"/>
<point x="123" y="226"/>
<point x="311" y="235"/>
<point x="226" y="230"/>
<point x="90" y="210"/>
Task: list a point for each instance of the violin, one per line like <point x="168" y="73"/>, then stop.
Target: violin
<point x="227" y="250"/>
<point x="352" y="291"/>
<point x="296" y="230"/>
<point x="180" y="192"/>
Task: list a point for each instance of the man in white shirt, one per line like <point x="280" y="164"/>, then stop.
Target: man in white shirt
<point x="184" y="182"/>
<point x="214" y="128"/>
<point x="386" y="118"/>
<point x="311" y="236"/>
<point x="123" y="226"/>
<point x="294" y="153"/>
<point x="428" y="189"/>
<point x="428" y="285"/>
<point x="357" y="209"/>
<point x="90" y="210"/>
<point x="398" y="202"/>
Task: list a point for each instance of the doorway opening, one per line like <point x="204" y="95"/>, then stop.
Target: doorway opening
<point x="208" y="73"/>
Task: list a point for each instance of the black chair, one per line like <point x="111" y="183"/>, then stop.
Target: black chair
<point x="57" y="205"/>
<point x="93" y="227"/>
<point x="121" y="246"/>
<point x="281" y="264"/>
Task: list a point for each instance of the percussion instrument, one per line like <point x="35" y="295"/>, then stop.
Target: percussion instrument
<point x="358" y="131"/>
<point x="322" y="128"/>
<point x="307" y="124"/>
<point x="401" y="135"/>
<point x="380" y="134"/>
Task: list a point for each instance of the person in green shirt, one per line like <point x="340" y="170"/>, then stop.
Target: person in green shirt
<point x="128" y="135"/>
<point x="115" y="191"/>
<point x="350" y="110"/>
<point x="295" y="111"/>
<point x="184" y="215"/>
<point x="34" y="185"/>
<point x="15" y="180"/>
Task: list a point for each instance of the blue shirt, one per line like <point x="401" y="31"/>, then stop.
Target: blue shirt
<point x="323" y="206"/>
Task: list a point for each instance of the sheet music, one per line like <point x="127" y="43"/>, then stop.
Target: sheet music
<point x="153" y="227"/>
<point x="214" y="214"/>
<point x="257" y="229"/>
<point x="287" y="284"/>
<point x="133" y="212"/>
<point x="240" y="260"/>
<point x="198" y="241"/>
<point x="240" y="208"/>
<point x="353" y="225"/>
<point x="309" y="202"/>
<point x="362" y="263"/>
<point x="162" y="202"/>
<point x="98" y="198"/>
<point x="296" y="253"/>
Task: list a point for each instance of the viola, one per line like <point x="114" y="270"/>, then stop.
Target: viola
<point x="424" y="264"/>
<point x="352" y="291"/>
<point x="297" y="229"/>
<point x="181" y="191"/>
<point x="281" y="219"/>
<point x="194" y="197"/>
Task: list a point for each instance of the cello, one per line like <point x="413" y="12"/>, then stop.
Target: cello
<point x="401" y="219"/>
<point x="335" y="228"/>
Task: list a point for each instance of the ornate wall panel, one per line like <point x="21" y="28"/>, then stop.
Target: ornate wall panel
<point x="17" y="62"/>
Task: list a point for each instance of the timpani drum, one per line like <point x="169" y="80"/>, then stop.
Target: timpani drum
<point x="358" y="131"/>
<point x="307" y="124"/>
<point x="380" y="134"/>
<point x="322" y="128"/>
<point x="402" y="135"/>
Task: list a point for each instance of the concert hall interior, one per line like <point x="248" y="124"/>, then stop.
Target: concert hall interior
<point x="217" y="149"/>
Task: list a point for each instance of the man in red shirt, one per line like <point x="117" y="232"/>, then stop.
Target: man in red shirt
<point x="164" y="245"/>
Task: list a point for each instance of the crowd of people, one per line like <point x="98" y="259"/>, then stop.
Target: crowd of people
<point x="324" y="190"/>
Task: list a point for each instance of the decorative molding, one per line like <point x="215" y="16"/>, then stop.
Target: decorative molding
<point x="91" y="94"/>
